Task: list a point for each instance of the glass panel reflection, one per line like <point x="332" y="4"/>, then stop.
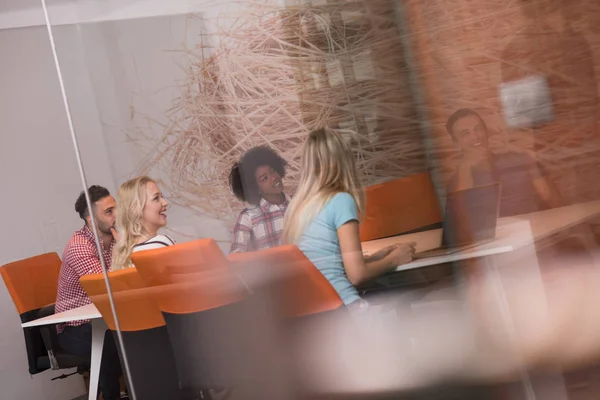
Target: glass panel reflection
<point x="300" y="164"/>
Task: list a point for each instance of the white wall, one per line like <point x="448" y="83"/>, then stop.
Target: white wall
<point x="108" y="67"/>
<point x="40" y="183"/>
<point x="136" y="68"/>
<point x="27" y="13"/>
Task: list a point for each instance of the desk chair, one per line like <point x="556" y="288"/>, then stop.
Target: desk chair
<point x="400" y="206"/>
<point x="201" y="302"/>
<point x="32" y="284"/>
<point x="174" y="264"/>
<point x="301" y="295"/>
<point x="301" y="289"/>
<point x="145" y="338"/>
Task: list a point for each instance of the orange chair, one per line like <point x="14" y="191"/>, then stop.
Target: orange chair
<point x="32" y="284"/>
<point x="201" y="302"/>
<point x="298" y="292"/>
<point x="172" y="264"/>
<point x="300" y="288"/>
<point x="400" y="206"/>
<point x="145" y="338"/>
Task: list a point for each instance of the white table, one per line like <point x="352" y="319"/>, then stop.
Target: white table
<point x="510" y="234"/>
<point x="98" y="331"/>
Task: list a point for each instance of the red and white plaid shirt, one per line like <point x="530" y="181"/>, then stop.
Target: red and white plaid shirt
<point x="79" y="258"/>
<point x="259" y="227"/>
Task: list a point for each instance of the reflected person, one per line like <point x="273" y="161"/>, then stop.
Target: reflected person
<point x="525" y="187"/>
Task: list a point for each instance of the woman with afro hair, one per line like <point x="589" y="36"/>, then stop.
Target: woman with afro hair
<point x="257" y="180"/>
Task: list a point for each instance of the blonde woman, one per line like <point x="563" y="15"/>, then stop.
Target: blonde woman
<point x="142" y="211"/>
<point x="322" y="218"/>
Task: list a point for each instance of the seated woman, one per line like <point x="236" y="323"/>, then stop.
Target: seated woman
<point x="525" y="186"/>
<point x="141" y="212"/>
<point x="257" y="180"/>
<point x="323" y="217"/>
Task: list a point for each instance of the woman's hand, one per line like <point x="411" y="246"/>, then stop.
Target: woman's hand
<point x="400" y="253"/>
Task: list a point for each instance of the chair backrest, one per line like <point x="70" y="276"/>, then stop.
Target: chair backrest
<point x="32" y="283"/>
<point x="136" y="306"/>
<point x="400" y="206"/>
<point x="168" y="265"/>
<point x="151" y="361"/>
<point x="189" y="277"/>
<point x="300" y="289"/>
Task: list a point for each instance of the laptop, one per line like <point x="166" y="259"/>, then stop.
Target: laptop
<point x="470" y="220"/>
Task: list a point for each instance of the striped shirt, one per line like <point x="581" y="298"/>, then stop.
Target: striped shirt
<point x="156" y="242"/>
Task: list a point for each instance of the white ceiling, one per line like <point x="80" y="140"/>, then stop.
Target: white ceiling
<point x="27" y="13"/>
<point x="14" y="5"/>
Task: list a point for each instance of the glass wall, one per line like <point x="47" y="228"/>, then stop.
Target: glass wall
<point x="41" y="184"/>
<point x="195" y="117"/>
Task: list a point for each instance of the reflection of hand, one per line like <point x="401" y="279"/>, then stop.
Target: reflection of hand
<point x="114" y="233"/>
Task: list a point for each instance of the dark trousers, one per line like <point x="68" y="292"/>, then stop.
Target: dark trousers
<point x="78" y="340"/>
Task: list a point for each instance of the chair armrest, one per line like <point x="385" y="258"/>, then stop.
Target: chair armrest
<point x="46" y="311"/>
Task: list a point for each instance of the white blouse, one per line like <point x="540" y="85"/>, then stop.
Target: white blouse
<point x="156" y="242"/>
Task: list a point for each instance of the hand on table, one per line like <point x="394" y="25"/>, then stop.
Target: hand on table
<point x="399" y="253"/>
<point x="403" y="253"/>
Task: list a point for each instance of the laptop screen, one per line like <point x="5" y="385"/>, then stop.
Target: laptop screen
<point x="471" y="215"/>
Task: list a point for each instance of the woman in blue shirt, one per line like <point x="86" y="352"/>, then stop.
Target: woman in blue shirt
<point x="322" y="219"/>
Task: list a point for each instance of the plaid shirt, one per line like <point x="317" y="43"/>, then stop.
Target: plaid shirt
<point x="259" y="227"/>
<point x="79" y="258"/>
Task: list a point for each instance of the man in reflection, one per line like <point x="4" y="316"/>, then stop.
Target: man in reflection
<point x="81" y="257"/>
<point x="525" y="187"/>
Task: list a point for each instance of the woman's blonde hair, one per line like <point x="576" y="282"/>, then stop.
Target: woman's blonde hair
<point x="327" y="167"/>
<point x="130" y="206"/>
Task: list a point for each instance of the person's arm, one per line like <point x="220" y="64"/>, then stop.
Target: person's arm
<point x="543" y="187"/>
<point x="360" y="270"/>
<point x="242" y="234"/>
<point x="464" y="177"/>
<point x="83" y="259"/>
<point x="464" y="174"/>
<point x="547" y="192"/>
<point x="380" y="254"/>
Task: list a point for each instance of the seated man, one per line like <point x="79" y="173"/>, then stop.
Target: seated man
<point x="80" y="258"/>
<point x="524" y="185"/>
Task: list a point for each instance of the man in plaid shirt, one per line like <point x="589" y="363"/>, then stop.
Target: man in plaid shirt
<point x="81" y="258"/>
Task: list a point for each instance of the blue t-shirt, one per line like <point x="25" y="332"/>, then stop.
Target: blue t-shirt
<point x="321" y="245"/>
